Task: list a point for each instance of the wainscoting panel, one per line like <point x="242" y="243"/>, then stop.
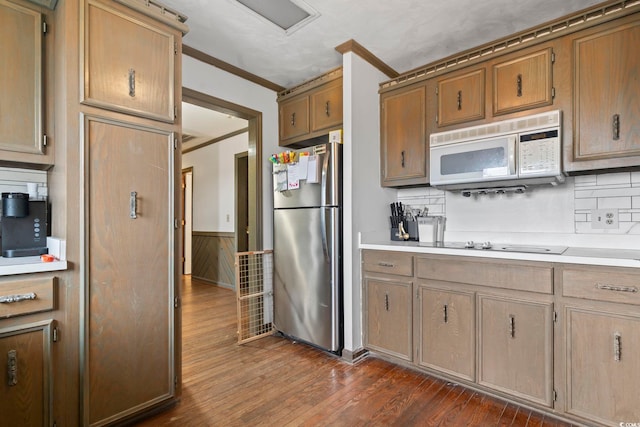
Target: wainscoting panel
<point x="213" y="257"/>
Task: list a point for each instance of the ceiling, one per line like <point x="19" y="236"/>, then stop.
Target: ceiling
<point x="201" y="125"/>
<point x="404" y="34"/>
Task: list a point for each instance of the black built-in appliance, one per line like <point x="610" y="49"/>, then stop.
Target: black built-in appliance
<point x="24" y="225"/>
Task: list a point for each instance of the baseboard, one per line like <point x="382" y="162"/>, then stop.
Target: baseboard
<point x="214" y="282"/>
<point x="354" y="356"/>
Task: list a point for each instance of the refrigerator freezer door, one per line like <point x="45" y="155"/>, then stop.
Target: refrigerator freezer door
<point x="325" y="192"/>
<point x="307" y="284"/>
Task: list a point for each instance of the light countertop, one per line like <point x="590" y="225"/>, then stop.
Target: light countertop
<point x="573" y="255"/>
<point x="28" y="264"/>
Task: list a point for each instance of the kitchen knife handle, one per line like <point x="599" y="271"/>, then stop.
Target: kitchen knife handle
<point x="519" y="85"/>
<point x="616" y="127"/>
<point x="133" y="205"/>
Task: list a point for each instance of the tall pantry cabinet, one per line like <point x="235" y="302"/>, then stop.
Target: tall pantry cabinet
<point x="121" y="128"/>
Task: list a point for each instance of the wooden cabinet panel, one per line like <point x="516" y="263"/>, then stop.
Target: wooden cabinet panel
<point x="128" y="64"/>
<point x="606" y="90"/>
<point x="25" y="391"/>
<point x="461" y="98"/>
<point x="294" y="118"/>
<point x="31" y="296"/>
<point x="603" y="367"/>
<point x="21" y="102"/>
<point x="389" y="315"/>
<point x="326" y="107"/>
<point x="515" y="352"/>
<point x="130" y="286"/>
<point x="601" y="284"/>
<point x="403" y="137"/>
<point x="523" y="83"/>
<point x="447" y="331"/>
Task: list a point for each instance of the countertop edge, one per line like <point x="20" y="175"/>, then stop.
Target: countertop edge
<point x="9" y="270"/>
<point x="516" y="256"/>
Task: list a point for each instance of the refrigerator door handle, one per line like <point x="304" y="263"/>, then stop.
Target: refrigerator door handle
<point x="323" y="231"/>
<point x="325" y="188"/>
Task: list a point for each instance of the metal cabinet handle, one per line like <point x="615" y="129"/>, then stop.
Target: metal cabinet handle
<point x="386" y="264"/>
<point x="446" y="313"/>
<point x="326" y="109"/>
<point x="133" y="205"/>
<point x="293" y="119"/>
<point x="616" y="127"/>
<point x="402" y="158"/>
<point x="512" y="326"/>
<point x="617" y="347"/>
<point x="386" y="301"/>
<point x="132" y="82"/>
<point x="459" y="100"/>
<point x="8" y="299"/>
<point x="605" y="287"/>
<point x="519" y="85"/>
<point x="12" y="368"/>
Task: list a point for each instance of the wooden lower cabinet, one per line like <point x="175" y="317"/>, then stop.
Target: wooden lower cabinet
<point x="25" y="390"/>
<point x="446" y="330"/>
<point x="129" y="296"/>
<point x="603" y="365"/>
<point x="389" y="315"/>
<point x="515" y="348"/>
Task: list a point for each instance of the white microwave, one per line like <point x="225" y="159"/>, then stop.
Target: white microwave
<point x="518" y="152"/>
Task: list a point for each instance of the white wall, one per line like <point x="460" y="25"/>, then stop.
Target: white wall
<point x="213" y="183"/>
<point x="210" y="80"/>
<point x="364" y="199"/>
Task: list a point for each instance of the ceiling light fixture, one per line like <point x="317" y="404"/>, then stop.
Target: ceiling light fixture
<point x="288" y="15"/>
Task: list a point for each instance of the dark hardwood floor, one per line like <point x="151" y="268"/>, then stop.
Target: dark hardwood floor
<point x="275" y="382"/>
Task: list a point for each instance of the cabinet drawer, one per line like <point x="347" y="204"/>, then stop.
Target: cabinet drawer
<point x="26" y="297"/>
<point x="388" y="262"/>
<point x="521" y="277"/>
<point x="602" y="285"/>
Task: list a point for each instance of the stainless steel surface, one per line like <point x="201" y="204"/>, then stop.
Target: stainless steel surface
<point x="307" y="227"/>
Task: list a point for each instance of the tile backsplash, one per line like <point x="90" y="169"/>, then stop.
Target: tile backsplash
<point x="573" y="203"/>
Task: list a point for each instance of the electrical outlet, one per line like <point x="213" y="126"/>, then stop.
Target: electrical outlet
<point x="604" y="218"/>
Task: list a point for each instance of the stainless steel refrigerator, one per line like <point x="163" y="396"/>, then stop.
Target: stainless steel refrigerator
<point x="307" y="243"/>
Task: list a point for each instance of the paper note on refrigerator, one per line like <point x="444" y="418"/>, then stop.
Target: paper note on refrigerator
<point x="312" y="170"/>
<point x="303" y="166"/>
<point x="293" y="176"/>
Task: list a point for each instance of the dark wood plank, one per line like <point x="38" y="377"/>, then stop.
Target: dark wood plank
<point x="274" y="381"/>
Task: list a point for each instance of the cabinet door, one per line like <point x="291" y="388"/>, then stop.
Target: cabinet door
<point x="20" y="79"/>
<point x="326" y="107"/>
<point x="403" y="137"/>
<point x="25" y="391"/>
<point x="447" y="331"/>
<point x="516" y="347"/>
<point x="606" y="91"/>
<point x="130" y="286"/>
<point x="389" y="314"/>
<point x="603" y="367"/>
<point x="461" y="98"/>
<point x="294" y="118"/>
<point x="523" y="83"/>
<point x="128" y="64"/>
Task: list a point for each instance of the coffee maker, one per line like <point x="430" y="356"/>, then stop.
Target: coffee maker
<point x="24" y="225"/>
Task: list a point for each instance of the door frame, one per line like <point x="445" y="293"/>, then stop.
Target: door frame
<point x="186" y="225"/>
<point x="241" y="224"/>
<point x="254" y="119"/>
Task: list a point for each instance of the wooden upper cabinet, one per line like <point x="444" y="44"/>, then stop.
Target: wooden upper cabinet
<point x="403" y="137"/>
<point x="606" y="91"/>
<point x="294" y="118"/>
<point x="21" y="76"/>
<point x="128" y="63"/>
<point x="523" y="83"/>
<point x="461" y="98"/>
<point x="326" y="107"/>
